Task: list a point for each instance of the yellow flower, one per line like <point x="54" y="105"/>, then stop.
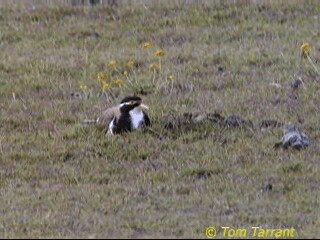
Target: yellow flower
<point x="146" y="45"/>
<point x="112" y="64"/>
<point x="131" y="63"/>
<point x="159" y="53"/>
<point x="118" y="82"/>
<point x="305" y="49"/>
<point x="83" y="87"/>
<point x="106" y="85"/>
<point x="125" y="73"/>
<point x="153" y="66"/>
<point x="102" y="76"/>
<point x="171" y="77"/>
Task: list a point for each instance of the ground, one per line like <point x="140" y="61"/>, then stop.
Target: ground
<point x="59" y="66"/>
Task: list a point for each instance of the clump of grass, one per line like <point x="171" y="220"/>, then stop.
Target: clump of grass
<point x="125" y="75"/>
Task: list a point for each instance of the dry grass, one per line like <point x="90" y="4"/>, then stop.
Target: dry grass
<point x="59" y="179"/>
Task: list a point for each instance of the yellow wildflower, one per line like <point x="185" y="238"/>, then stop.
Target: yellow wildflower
<point x="106" y="85"/>
<point x="146" y="45"/>
<point x="118" y="82"/>
<point x="171" y="77"/>
<point x="153" y="66"/>
<point x="83" y="87"/>
<point x="305" y="52"/>
<point x="305" y="49"/>
<point x="102" y="76"/>
<point x="112" y="64"/>
<point x="125" y="73"/>
<point x="159" y="53"/>
<point x="131" y="63"/>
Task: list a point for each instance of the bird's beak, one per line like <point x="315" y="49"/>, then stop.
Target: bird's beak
<point x="144" y="106"/>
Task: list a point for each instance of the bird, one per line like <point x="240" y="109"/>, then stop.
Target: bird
<point x="124" y="117"/>
<point x="293" y="138"/>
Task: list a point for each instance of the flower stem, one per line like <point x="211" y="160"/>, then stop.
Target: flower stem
<point x="314" y="66"/>
<point x="160" y="65"/>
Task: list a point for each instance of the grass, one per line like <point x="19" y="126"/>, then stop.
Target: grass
<point x="60" y="179"/>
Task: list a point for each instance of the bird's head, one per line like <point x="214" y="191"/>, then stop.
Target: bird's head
<point x="129" y="103"/>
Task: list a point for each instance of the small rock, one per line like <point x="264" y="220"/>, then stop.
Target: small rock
<point x="216" y="118"/>
<point x="220" y="70"/>
<point x="277" y="85"/>
<point x="268" y="188"/>
<point x="296" y="83"/>
<point x="199" y="118"/>
<point x="236" y="121"/>
<point x="76" y="95"/>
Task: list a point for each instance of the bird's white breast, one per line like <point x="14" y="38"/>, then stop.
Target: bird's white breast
<point x="137" y="117"/>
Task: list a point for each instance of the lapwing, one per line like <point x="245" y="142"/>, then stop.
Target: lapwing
<point x="125" y="117"/>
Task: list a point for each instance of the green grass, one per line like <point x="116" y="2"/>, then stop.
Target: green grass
<point x="60" y="179"/>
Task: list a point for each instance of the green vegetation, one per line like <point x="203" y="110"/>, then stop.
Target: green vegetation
<point x="61" y="179"/>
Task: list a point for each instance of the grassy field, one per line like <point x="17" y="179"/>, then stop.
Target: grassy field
<point x="60" y="65"/>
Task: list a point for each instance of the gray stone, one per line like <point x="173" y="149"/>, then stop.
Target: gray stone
<point x="293" y="138"/>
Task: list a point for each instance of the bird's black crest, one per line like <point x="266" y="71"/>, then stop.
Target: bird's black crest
<point x="131" y="98"/>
